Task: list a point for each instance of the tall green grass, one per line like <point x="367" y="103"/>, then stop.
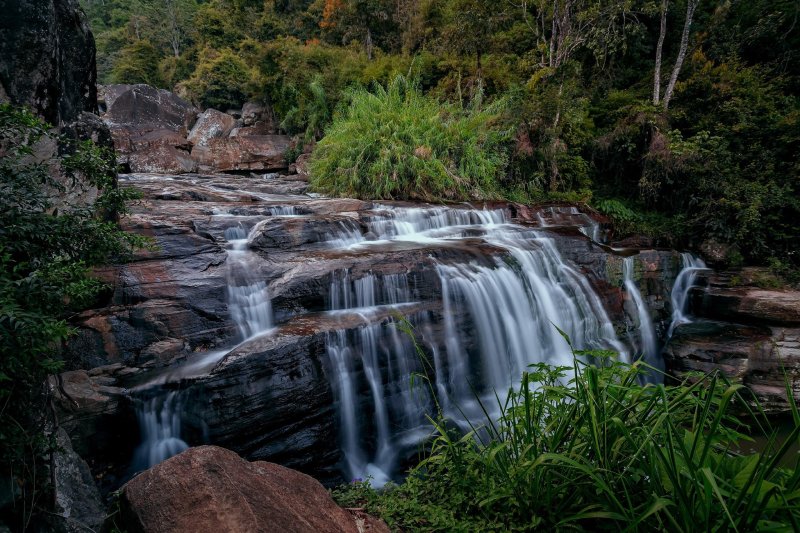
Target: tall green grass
<point x="395" y="143"/>
<point x="600" y="453"/>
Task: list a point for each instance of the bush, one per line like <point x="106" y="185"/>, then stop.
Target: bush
<point x="45" y="256"/>
<point x="395" y="143"/>
<point x="600" y="453"/>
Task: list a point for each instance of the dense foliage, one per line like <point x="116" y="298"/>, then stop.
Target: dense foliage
<point x="600" y="453"/>
<point x="681" y="115"/>
<point x="394" y="142"/>
<point x="47" y="247"/>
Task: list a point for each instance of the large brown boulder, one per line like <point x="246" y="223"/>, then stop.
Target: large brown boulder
<point x="252" y="152"/>
<point x="212" y="489"/>
<point x="149" y="128"/>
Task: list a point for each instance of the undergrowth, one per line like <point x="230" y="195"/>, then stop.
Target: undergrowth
<point x="601" y="452"/>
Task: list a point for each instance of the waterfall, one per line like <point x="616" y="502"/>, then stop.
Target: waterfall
<point x="648" y="341"/>
<point x="510" y="307"/>
<point x="679" y="297"/>
<point x="251" y="311"/>
<point x="160" y="425"/>
<point x="377" y="360"/>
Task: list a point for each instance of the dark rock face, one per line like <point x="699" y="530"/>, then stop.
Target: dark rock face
<point x="210" y="488"/>
<point x="149" y="127"/>
<point x="750" y="334"/>
<point x="47" y="58"/>
<point x="146" y="108"/>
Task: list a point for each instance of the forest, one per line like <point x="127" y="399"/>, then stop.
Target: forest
<point x="678" y="119"/>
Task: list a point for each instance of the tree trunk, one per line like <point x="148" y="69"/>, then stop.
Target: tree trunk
<point x="479" y="66"/>
<point x="662" y="33"/>
<point x="691" y="5"/>
<point x="368" y="44"/>
<point x="553" y="33"/>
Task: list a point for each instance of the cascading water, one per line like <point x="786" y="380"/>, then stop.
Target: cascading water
<point x="508" y="307"/>
<point x="248" y="298"/>
<point x="379" y="360"/>
<point x="648" y="340"/>
<point x="687" y="278"/>
<point x="250" y="308"/>
<point x="160" y="424"/>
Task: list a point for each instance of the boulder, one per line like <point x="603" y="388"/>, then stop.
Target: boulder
<point x="79" y="504"/>
<point x="252" y="112"/>
<point x="212" y="489"/>
<point x="749" y="304"/>
<point x="760" y="357"/>
<point x="211" y="124"/>
<point x="149" y="128"/>
<point x="48" y="58"/>
<point x="252" y="152"/>
<point x="144" y="108"/>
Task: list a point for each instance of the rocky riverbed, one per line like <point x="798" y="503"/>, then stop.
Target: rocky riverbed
<point x="269" y="321"/>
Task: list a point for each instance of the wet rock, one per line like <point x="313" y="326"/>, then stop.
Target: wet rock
<point x="252" y="152"/>
<point x="210" y="488"/>
<point x="211" y="124"/>
<point x="749" y="304"/>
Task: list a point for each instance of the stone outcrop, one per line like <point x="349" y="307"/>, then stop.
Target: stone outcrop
<point x="213" y="489"/>
<point x="248" y="152"/>
<point x="47" y="58"/>
<point x="211" y="124"/>
<point x="750" y="334"/>
<point x="47" y="63"/>
<point x="156" y="131"/>
<point x="149" y="127"/>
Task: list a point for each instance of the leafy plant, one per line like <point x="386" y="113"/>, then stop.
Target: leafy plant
<point x="47" y="246"/>
<point x="589" y="448"/>
<point x="393" y="142"/>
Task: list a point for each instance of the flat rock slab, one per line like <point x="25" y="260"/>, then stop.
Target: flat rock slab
<point x="212" y="489"/>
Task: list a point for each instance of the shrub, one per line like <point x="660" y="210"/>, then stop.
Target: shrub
<point x="395" y="143"/>
<point x="45" y="256"/>
<point x="600" y="452"/>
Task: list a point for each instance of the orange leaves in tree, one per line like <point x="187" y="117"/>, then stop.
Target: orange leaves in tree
<point x="329" y="13"/>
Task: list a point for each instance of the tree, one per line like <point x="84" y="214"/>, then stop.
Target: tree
<point x="138" y="63"/>
<point x="691" y="5"/>
<point x="469" y="26"/>
<point x="659" y="48"/>
<point x="365" y="20"/>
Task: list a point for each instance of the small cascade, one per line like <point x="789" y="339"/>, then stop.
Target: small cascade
<point x="402" y="222"/>
<point x="648" y="341"/>
<point x="514" y="306"/>
<point x="687" y="278"/>
<point x="250" y="309"/>
<point x="283" y="211"/>
<point x="248" y="298"/>
<point x="373" y="362"/>
<point x="160" y="424"/>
